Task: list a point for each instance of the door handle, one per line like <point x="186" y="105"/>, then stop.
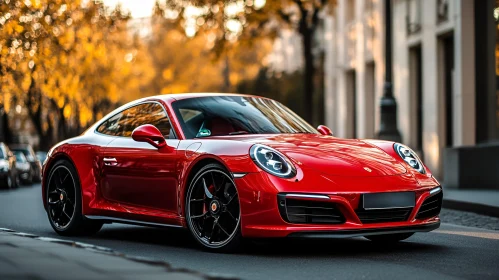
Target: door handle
<point x="110" y="161"/>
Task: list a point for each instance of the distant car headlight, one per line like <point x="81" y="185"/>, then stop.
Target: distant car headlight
<point x="410" y="157"/>
<point x="272" y="161"/>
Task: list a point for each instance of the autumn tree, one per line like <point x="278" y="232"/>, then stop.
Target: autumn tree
<point x="184" y="64"/>
<point x="247" y="21"/>
<point x="68" y="62"/>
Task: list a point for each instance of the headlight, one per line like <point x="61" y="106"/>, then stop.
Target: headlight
<point x="410" y="157"/>
<point x="272" y="161"/>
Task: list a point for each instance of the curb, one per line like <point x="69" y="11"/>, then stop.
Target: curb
<point x="109" y="251"/>
<point x="471" y="207"/>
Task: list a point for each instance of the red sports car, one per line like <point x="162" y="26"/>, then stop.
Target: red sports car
<point x="230" y="166"/>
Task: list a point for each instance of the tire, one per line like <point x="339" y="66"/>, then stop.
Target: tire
<point x="214" y="222"/>
<point x="29" y="181"/>
<point x="67" y="194"/>
<point x="389" y="238"/>
<point x="18" y="181"/>
<point x="7" y="183"/>
<point x="36" y="178"/>
<point x="15" y="180"/>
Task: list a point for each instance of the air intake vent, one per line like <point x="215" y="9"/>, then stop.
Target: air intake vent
<point x="431" y="207"/>
<point x="299" y="211"/>
<point x="384" y="215"/>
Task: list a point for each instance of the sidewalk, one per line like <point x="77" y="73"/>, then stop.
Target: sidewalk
<point x="24" y="256"/>
<point x="485" y="202"/>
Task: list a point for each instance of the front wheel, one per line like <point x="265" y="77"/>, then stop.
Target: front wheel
<point x="8" y="183"/>
<point x="64" y="202"/>
<point x="212" y="209"/>
<point x="389" y="238"/>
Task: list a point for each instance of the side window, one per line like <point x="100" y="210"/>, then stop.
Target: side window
<point x="158" y="118"/>
<point x="125" y="122"/>
<point x="111" y="126"/>
<point x="149" y="113"/>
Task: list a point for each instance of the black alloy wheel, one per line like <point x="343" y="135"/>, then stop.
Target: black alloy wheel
<point x="212" y="209"/>
<point x="63" y="198"/>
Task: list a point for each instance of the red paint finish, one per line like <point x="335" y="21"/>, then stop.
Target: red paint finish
<point x="145" y="177"/>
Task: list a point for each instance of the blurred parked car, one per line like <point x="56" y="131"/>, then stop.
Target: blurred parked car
<point x="8" y="171"/>
<point x="41" y="155"/>
<point x="36" y="166"/>
<point x="24" y="168"/>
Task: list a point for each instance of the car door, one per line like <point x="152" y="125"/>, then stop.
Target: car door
<point x="136" y="173"/>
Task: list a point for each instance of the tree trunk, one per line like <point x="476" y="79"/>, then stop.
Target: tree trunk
<point x="6" y="134"/>
<point x="34" y="104"/>
<point x="62" y="126"/>
<point x="308" y="79"/>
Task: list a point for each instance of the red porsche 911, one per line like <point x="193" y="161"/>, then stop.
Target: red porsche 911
<point x="228" y="167"/>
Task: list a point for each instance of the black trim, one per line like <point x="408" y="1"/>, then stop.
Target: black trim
<point x="294" y="210"/>
<point x="110" y="220"/>
<point x="364" y="232"/>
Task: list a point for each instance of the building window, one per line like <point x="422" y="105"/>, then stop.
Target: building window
<point x="350" y="15"/>
<point x="487" y="70"/>
<point x="413" y="16"/>
<point x="442" y="10"/>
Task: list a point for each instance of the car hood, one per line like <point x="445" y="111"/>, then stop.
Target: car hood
<point x="331" y="155"/>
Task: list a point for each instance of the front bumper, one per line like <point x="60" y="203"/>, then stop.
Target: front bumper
<point x="365" y="232"/>
<point x="261" y="217"/>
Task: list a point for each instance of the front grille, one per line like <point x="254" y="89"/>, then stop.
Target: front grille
<point x="430" y="207"/>
<point x="384" y="215"/>
<point x="298" y="211"/>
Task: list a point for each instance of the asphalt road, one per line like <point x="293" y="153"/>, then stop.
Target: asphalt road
<point x="451" y="252"/>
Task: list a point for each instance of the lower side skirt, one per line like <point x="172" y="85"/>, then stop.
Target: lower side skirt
<point x="364" y="232"/>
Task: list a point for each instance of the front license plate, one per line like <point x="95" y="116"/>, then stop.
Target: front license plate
<point x="388" y="200"/>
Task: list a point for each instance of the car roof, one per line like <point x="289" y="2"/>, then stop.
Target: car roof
<point x="180" y="96"/>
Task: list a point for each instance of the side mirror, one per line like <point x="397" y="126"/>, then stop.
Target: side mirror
<point x="324" y="130"/>
<point x="150" y="134"/>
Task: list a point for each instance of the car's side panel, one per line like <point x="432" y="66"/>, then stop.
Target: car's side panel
<point x="139" y="174"/>
<point x="83" y="152"/>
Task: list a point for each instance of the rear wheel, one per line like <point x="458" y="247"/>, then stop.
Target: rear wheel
<point x="389" y="238"/>
<point x="64" y="202"/>
<point x="7" y="182"/>
<point x="212" y="209"/>
<point x="17" y="180"/>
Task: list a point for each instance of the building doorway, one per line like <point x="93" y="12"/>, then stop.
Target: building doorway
<point x="351" y="130"/>
<point x="448" y="68"/>
<point x="416" y="89"/>
<point x="370" y="97"/>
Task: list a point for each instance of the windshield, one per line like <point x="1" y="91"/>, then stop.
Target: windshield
<point x="2" y="156"/>
<point x="232" y="115"/>
<point x="20" y="157"/>
<point x="26" y="152"/>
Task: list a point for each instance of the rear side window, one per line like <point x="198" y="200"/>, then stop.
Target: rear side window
<point x="149" y="113"/>
<point x="111" y="126"/>
<point x="124" y="123"/>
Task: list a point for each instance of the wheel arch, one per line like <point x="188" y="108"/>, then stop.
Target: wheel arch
<point x="46" y="171"/>
<point x="194" y="167"/>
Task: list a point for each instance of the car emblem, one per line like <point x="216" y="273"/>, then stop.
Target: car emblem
<point x="367" y="169"/>
<point x="214" y="207"/>
<point x="61" y="197"/>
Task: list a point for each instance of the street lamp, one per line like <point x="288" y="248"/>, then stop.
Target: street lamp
<point x="388" y="106"/>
